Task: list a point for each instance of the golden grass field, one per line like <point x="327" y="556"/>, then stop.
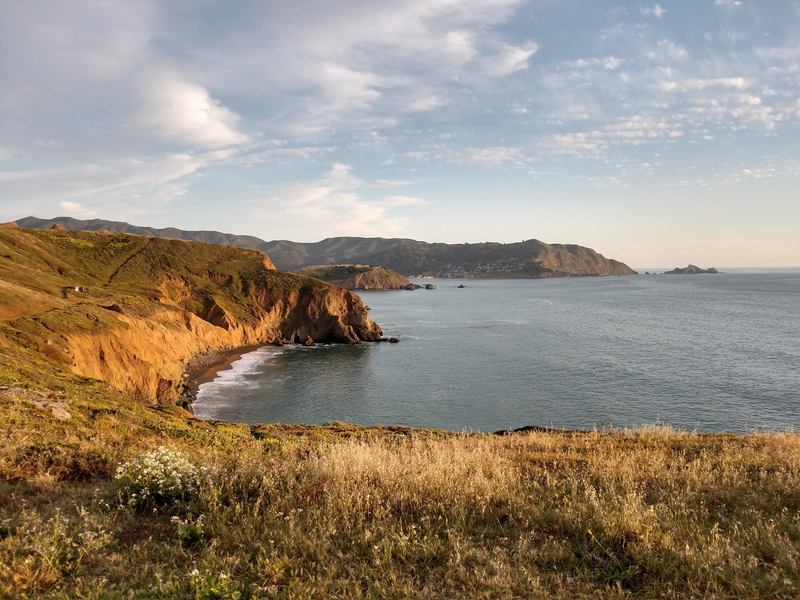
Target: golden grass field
<point x="343" y="511"/>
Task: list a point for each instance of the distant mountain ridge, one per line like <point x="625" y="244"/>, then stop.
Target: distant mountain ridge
<point x="530" y="258"/>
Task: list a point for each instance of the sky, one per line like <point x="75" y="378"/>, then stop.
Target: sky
<point x="657" y="133"/>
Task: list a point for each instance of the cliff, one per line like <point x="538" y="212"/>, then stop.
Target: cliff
<point x="530" y="258"/>
<point x="133" y="311"/>
<point x="357" y="277"/>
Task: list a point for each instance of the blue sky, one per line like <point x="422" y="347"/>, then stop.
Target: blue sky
<point x="657" y="133"/>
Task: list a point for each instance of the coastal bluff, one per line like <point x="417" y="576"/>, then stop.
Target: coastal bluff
<point x="133" y="311"/>
<point x="358" y="277"/>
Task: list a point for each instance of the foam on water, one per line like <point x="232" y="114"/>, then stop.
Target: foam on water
<point x="242" y="374"/>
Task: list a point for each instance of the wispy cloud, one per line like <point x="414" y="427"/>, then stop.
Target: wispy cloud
<point x="656" y="10"/>
<point x="728" y="3"/>
<point x="334" y="204"/>
<point x="126" y="187"/>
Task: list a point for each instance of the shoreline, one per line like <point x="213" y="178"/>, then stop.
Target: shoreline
<point x="205" y="367"/>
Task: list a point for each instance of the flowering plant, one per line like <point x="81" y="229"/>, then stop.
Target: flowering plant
<point x="159" y="477"/>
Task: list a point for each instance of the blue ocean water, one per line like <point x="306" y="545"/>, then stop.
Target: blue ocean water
<point x="705" y="352"/>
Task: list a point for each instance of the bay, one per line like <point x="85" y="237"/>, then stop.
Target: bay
<point x="699" y="352"/>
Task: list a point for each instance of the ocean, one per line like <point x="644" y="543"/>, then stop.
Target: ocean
<point x="697" y="352"/>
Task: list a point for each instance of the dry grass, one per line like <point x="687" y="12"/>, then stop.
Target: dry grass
<point x="349" y="512"/>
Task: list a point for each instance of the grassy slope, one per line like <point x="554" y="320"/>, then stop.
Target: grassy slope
<point x="351" y="512"/>
<point x="343" y="511"/>
<point x="36" y="265"/>
<point x="198" y="296"/>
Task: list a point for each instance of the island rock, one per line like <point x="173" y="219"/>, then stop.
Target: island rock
<point x="690" y="270"/>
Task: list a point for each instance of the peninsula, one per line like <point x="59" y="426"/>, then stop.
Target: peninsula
<point x="358" y="277"/>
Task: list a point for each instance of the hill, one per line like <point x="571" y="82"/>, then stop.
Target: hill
<point x="357" y="277"/>
<point x="531" y="258"/>
<point x="133" y="311"/>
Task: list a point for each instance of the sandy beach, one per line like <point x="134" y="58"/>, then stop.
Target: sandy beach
<point x="205" y="367"/>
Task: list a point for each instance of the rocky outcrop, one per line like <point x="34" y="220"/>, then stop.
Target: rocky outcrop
<point x="358" y="277"/>
<point x="150" y="305"/>
<point x="690" y="270"/>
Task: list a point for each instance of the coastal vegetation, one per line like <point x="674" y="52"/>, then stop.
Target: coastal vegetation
<point x="344" y="511"/>
<point x="108" y="489"/>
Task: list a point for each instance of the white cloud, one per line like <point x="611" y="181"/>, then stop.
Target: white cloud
<point x="75" y="209"/>
<point x="667" y="52"/>
<point x="425" y="102"/>
<point x="370" y="64"/>
<point x="100" y="100"/>
<point x="460" y="47"/>
<point x="184" y="112"/>
<point x="689" y="85"/>
<point x="492" y="156"/>
<point x="635" y="130"/>
<point x="509" y="59"/>
<point x="334" y="205"/>
<point x="278" y="152"/>
<point x="126" y="187"/>
<point x="728" y="3"/>
<point x="656" y="11"/>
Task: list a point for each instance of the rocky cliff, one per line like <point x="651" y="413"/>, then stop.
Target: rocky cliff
<point x="529" y="258"/>
<point x="133" y="311"/>
<point x="357" y="277"/>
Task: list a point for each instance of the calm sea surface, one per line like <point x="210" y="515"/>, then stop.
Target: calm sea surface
<point x="705" y="352"/>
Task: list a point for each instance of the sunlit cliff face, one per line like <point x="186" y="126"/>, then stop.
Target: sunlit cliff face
<point x="133" y="311"/>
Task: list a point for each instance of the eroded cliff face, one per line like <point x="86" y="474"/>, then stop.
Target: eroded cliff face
<point x="133" y="312"/>
<point x="149" y="355"/>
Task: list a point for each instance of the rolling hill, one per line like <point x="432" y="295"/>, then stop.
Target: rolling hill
<point x="530" y="258"/>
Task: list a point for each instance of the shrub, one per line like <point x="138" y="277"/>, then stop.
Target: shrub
<point x="190" y="532"/>
<point x="159" y="477"/>
<point x="208" y="586"/>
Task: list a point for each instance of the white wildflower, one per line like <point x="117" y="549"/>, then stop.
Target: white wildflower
<point x="160" y="476"/>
